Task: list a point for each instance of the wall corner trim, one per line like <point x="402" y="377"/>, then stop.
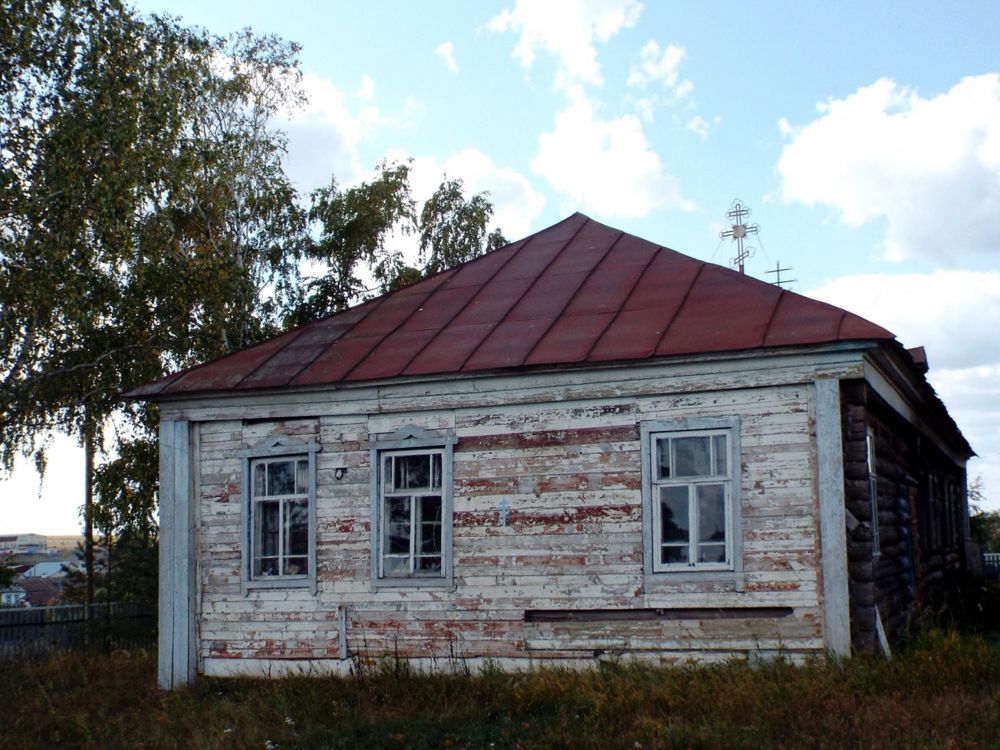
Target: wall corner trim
<point x="176" y="665"/>
<point x="832" y="518"/>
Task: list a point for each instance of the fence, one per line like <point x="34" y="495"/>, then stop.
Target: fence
<point x="30" y="633"/>
<point x="991" y="561"/>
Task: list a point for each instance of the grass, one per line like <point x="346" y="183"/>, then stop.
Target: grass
<point x="942" y="691"/>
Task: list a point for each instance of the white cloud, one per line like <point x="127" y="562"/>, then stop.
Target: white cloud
<point x="699" y="126"/>
<point x="928" y="168"/>
<point x="661" y="66"/>
<point x="567" y="30"/>
<point x="605" y="166"/>
<point x="446" y="52"/>
<point x="955" y="315"/>
<point x="367" y="89"/>
<point x="325" y="136"/>
<point x="515" y="202"/>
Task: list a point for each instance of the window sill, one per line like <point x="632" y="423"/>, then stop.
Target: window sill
<point x="654" y="581"/>
<point x="413" y="583"/>
<point x="298" y="582"/>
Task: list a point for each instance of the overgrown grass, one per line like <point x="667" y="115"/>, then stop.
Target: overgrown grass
<point x="943" y="691"/>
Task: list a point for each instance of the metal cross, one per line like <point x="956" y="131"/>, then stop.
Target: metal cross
<point x="738" y="231"/>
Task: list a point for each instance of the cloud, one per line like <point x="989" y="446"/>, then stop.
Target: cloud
<point x="515" y="202"/>
<point x="446" y="52"/>
<point x="928" y="168"/>
<point x="567" y="30"/>
<point x="699" y="126"/>
<point x="325" y="136"/>
<point x="956" y="316"/>
<point x="659" y="66"/>
<point x="605" y="166"/>
<point x="367" y="89"/>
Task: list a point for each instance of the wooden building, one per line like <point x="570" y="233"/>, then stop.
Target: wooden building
<point x="579" y="446"/>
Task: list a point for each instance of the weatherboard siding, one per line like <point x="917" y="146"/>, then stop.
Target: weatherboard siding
<point x="568" y="470"/>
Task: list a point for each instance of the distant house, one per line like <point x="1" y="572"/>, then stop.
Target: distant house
<point x="42" y="592"/>
<point x="12" y="596"/>
<point x="580" y="445"/>
<point x="49" y="569"/>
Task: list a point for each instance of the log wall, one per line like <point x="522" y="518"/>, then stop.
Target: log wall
<point x="920" y="520"/>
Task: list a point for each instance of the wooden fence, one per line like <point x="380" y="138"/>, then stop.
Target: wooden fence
<point x="31" y="633"/>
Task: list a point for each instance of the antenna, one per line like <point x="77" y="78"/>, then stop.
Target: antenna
<point x="778" y="281"/>
<point x="738" y="231"/>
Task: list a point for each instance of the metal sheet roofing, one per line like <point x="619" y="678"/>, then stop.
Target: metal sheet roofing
<point x="576" y="292"/>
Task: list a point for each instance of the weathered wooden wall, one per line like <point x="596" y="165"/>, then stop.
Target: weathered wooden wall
<point x="920" y="523"/>
<point x="563" y="454"/>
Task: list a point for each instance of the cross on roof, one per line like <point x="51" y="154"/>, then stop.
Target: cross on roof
<point x="738" y="231"/>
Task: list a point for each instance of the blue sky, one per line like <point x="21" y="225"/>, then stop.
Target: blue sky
<point x="865" y="137"/>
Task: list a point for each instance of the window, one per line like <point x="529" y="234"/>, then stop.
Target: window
<point x="690" y="503"/>
<point x="280" y="512"/>
<point x="412" y="508"/>
<point x="872" y="489"/>
<point x="279" y="489"/>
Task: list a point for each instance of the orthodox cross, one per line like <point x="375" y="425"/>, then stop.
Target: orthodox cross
<point x="738" y="231"/>
<point x="778" y="281"/>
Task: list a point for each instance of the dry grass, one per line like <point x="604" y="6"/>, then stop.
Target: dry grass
<point x="942" y="692"/>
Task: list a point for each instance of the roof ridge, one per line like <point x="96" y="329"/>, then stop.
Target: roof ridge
<point x="770" y="319"/>
<point x="621" y="307"/>
<point x="522" y="243"/>
<point x="380" y="300"/>
<point x="583" y="283"/>
<point x="530" y="286"/>
<point x="840" y="324"/>
<point x="680" y="307"/>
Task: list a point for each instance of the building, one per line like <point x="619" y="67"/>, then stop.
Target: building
<point x="579" y="446"/>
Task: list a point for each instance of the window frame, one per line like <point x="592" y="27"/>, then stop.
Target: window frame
<point x="411" y="440"/>
<point x="653" y="570"/>
<point x="273" y="448"/>
<point x="871" y="463"/>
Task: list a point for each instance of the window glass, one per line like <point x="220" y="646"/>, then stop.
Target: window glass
<point x="674" y="514"/>
<point x="663" y="459"/>
<point x="302" y="477"/>
<point x="281" y="478"/>
<point x="692" y="457"/>
<point x="721" y="450"/>
<point x="267" y="532"/>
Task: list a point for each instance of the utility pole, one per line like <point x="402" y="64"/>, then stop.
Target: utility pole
<point x="738" y="232"/>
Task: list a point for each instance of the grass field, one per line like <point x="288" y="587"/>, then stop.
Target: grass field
<point x="942" y="691"/>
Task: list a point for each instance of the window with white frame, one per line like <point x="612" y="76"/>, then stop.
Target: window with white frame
<point x="412" y="508"/>
<point x="690" y="496"/>
<point x="280" y="510"/>
<point x="279" y="514"/>
<point x="411" y="513"/>
<point x="872" y="489"/>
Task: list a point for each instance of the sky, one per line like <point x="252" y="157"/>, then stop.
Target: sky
<point x="865" y="137"/>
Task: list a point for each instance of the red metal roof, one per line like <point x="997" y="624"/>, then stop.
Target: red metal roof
<point x="576" y="292"/>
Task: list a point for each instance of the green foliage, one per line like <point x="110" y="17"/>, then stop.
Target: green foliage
<point x="453" y="229"/>
<point x="354" y="227"/>
<point x="147" y="223"/>
<point x="941" y="692"/>
<point x="6" y="576"/>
